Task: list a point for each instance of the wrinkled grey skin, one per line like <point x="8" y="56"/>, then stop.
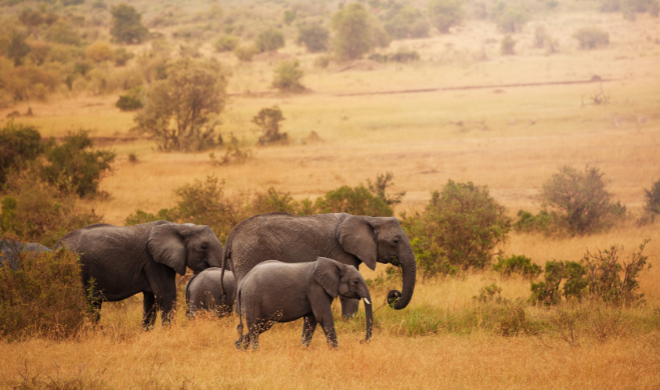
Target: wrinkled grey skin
<point x="126" y="260"/>
<point x="274" y="291"/>
<point x="349" y="239"/>
<point x="203" y="292"/>
<point x="10" y="252"/>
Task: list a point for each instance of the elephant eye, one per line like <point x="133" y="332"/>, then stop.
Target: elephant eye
<point x="396" y="241"/>
<point x="204" y="246"/>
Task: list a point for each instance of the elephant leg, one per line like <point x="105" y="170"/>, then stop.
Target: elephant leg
<point x="167" y="305"/>
<point x="349" y="307"/>
<point x="309" y="325"/>
<point x="149" y="316"/>
<point x="328" y="325"/>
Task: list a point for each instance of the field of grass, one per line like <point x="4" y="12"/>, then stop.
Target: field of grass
<point x="510" y="139"/>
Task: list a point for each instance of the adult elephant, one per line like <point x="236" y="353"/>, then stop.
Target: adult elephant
<point x="10" y="251"/>
<point x="121" y="261"/>
<point x="349" y="239"/>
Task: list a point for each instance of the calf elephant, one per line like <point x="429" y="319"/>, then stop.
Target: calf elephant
<point x="281" y="292"/>
<point x="120" y="261"/>
<point x="10" y="252"/>
<point x="349" y="239"/>
<point x="203" y="292"/>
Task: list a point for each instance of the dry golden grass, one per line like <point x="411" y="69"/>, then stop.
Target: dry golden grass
<point x="531" y="131"/>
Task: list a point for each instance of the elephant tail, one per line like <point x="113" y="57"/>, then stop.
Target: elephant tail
<point x="239" y="328"/>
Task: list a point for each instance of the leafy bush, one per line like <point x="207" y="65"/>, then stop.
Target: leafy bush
<point x="44" y="297"/>
<point x="99" y="52"/>
<point x="19" y="144"/>
<point x="352" y="32"/>
<point x="507" y="46"/>
<point x="314" y="37"/>
<point x="402" y="55"/>
<point x="404" y="21"/>
<point x="652" y="200"/>
<point x="445" y="13"/>
<point x="591" y="37"/>
<point x="245" y="53"/>
<point x="631" y="7"/>
<point x="269" y="40"/>
<point x="489" y="294"/>
<point x="122" y="56"/>
<point x="287" y="76"/>
<point x="127" y="24"/>
<point x="268" y="119"/>
<point x="459" y="228"/>
<point x="131" y="101"/>
<point x="510" y="17"/>
<point x="17" y="48"/>
<point x="178" y="110"/>
<point x="517" y="265"/>
<point x="378" y="188"/>
<point x="226" y="43"/>
<point x="357" y="201"/>
<point x="74" y="167"/>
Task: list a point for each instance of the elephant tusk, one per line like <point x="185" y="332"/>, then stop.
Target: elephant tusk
<point x="367" y="301"/>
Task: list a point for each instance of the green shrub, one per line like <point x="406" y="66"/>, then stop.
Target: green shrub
<point x="122" y="56"/>
<point x="269" y="40"/>
<point x="127" y="24"/>
<point x="226" y="43"/>
<point x="143" y="217"/>
<point x="19" y="144"/>
<point x="268" y="119"/>
<point x="287" y="76"/>
<point x="652" y="200"/>
<point x="591" y="37"/>
<point x="74" y="166"/>
<point x="507" y="46"/>
<point x="547" y="292"/>
<point x="459" y="228"/>
<point x="510" y="17"/>
<point x="520" y="265"/>
<point x="489" y="293"/>
<point x="289" y="16"/>
<point x="402" y="55"/>
<point x="314" y="37"/>
<point x="131" y="101"/>
<point x="445" y="13"/>
<point x="245" y="53"/>
<point x="44" y="297"/>
<point x="353" y="200"/>
<point x="404" y="21"/>
<point x="353" y="35"/>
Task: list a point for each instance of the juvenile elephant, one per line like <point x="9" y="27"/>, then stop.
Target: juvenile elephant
<point x="203" y="292"/>
<point x="274" y="291"/>
<point x="10" y="252"/>
<point x="120" y="261"/>
<point x="349" y="239"/>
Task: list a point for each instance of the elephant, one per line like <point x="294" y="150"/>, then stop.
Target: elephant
<point x="120" y="261"/>
<point x="203" y="292"/>
<point x="10" y="251"/>
<point x="274" y="291"/>
<point x="349" y="239"/>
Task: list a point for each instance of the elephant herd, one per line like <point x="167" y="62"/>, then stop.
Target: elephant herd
<point x="277" y="267"/>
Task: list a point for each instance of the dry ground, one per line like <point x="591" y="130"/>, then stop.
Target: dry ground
<point x="511" y="140"/>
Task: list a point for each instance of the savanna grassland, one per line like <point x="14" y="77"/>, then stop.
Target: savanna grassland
<point x="372" y="119"/>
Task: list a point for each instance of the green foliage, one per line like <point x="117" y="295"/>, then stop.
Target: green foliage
<point x="651" y="202"/>
<point x="44" y="297"/>
<point x="226" y="43"/>
<point x="269" y="40"/>
<point x="127" y="25"/>
<point x="19" y="144"/>
<point x="17" y="48"/>
<point x="268" y="119"/>
<point x="445" y="13"/>
<point x="520" y="265"/>
<point x="131" y="101"/>
<point x="357" y="201"/>
<point x="403" y="21"/>
<point x="591" y="37"/>
<point x="581" y="202"/>
<point x="401" y="55"/>
<point x="143" y="217"/>
<point x="289" y="17"/>
<point x="352" y="32"/>
<point x="122" y="56"/>
<point x="378" y="188"/>
<point x="459" y="228"/>
<point x="547" y="292"/>
<point x="245" y="53"/>
<point x="179" y="109"/>
<point x="489" y="294"/>
<point x="287" y="76"/>
<point x="74" y="167"/>
<point x="63" y="33"/>
<point x="544" y="221"/>
<point x="510" y="17"/>
<point x="314" y="37"/>
<point x="507" y="46"/>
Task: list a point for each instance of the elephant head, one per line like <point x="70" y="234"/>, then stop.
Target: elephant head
<point x="187" y="245"/>
<point x="344" y="280"/>
<point x="376" y="239"/>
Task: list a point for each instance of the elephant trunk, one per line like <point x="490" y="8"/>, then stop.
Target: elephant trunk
<point x="368" y="308"/>
<point x="406" y="260"/>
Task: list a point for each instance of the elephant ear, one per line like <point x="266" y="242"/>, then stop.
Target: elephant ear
<point x="357" y="237"/>
<point x="166" y="245"/>
<point x="327" y="273"/>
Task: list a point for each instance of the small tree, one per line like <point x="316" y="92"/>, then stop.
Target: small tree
<point x="268" y="119"/>
<point x="379" y="187"/>
<point x="582" y="204"/>
<point x="591" y="37"/>
<point x="510" y="18"/>
<point x="459" y="228"/>
<point x="17" y="48"/>
<point x="352" y="32"/>
<point x="99" y="52"/>
<point x="445" y="13"/>
<point x="226" y="43"/>
<point x="508" y="45"/>
<point x="357" y="201"/>
<point x="652" y="200"/>
<point x="127" y="24"/>
<point x="19" y="145"/>
<point x="178" y="109"/>
<point x="269" y="40"/>
<point x="314" y="37"/>
<point x="288" y="75"/>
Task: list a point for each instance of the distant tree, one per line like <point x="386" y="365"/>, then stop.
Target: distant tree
<point x="591" y="37"/>
<point x="19" y="144"/>
<point x="288" y="75"/>
<point x="100" y="52"/>
<point x="226" y="43"/>
<point x="405" y="21"/>
<point x="268" y="119"/>
<point x="652" y="199"/>
<point x="507" y="47"/>
<point x="445" y="13"/>
<point x="510" y="18"/>
<point x="179" y="108"/>
<point x="127" y="24"/>
<point x="269" y="40"/>
<point x="289" y="17"/>
<point x="17" y="48"/>
<point x="352" y="32"/>
<point x="314" y="37"/>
